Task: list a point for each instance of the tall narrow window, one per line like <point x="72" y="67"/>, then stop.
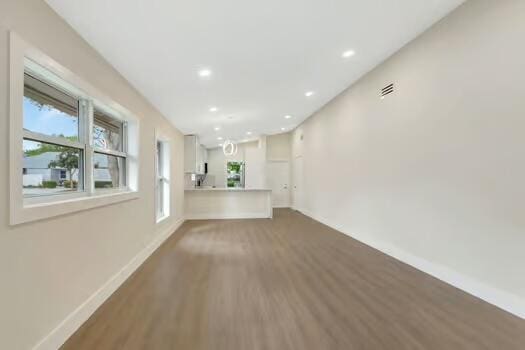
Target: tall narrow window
<point x="163" y="180"/>
<point x="53" y="147"/>
<point x="235" y="174"/>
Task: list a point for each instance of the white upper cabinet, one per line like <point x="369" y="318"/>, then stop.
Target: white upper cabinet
<point x="195" y="155"/>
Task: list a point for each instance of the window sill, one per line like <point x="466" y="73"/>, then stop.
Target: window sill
<point x="162" y="218"/>
<point x="31" y="211"/>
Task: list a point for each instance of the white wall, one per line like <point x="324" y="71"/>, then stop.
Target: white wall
<point x="278" y="147"/>
<point x="49" y="268"/>
<point x="255" y="163"/>
<point x="278" y="168"/>
<point x="434" y="174"/>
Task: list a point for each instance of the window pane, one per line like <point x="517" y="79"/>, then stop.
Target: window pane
<point x="160" y="198"/>
<point x="109" y="171"/>
<point x="50" y="169"/>
<point x="235" y="174"/>
<point x="163" y="187"/>
<point x="49" y="111"/>
<point x="159" y="160"/>
<point x="107" y="132"/>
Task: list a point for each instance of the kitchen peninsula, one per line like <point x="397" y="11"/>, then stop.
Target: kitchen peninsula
<point x="227" y="203"/>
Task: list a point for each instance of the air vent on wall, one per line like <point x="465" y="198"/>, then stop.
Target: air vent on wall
<point x="387" y="90"/>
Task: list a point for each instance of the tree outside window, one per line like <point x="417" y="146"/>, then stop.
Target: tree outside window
<point x="235" y="174"/>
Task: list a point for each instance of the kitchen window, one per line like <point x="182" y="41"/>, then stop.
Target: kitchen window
<point x="235" y="174"/>
<point x="71" y="147"/>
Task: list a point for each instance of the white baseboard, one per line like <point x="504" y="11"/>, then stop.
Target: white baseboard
<point x="71" y="323"/>
<point x="497" y="297"/>
<point x="224" y="216"/>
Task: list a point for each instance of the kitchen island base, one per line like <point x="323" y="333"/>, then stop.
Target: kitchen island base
<point x="227" y="203"/>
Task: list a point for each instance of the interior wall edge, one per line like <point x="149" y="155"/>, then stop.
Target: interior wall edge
<point x="81" y="314"/>
<point x="497" y="297"/>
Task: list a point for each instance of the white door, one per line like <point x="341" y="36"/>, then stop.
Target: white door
<point x="278" y="180"/>
<point x="298" y="191"/>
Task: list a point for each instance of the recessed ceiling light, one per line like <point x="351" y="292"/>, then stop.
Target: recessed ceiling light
<point x="287" y="116"/>
<point x="309" y="93"/>
<point x="220" y="144"/>
<point x="283" y="128"/>
<point x="248" y="132"/>
<point x="348" y="53"/>
<point x="219" y="138"/>
<point x="205" y="73"/>
<point x="213" y="109"/>
<point x="217" y="128"/>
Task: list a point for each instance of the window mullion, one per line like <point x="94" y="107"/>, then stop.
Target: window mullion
<point x="125" y="150"/>
<point x="87" y="126"/>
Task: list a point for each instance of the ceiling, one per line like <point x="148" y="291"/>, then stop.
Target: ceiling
<point x="263" y="55"/>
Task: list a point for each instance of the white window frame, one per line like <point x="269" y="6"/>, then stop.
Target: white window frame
<point x="162" y="177"/>
<point x="108" y="152"/>
<point x="26" y="58"/>
<point x="243" y="172"/>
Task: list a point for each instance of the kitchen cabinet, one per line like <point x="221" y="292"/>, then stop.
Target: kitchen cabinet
<point x="195" y="155"/>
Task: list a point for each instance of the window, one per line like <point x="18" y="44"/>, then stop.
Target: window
<point x="108" y="133"/>
<point x="54" y="148"/>
<point x="235" y="174"/>
<point x="51" y="142"/>
<point x="108" y="171"/>
<point x="71" y="147"/>
<point x="162" y="186"/>
<point x="109" y="160"/>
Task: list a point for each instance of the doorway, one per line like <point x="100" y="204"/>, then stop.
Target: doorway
<point x="279" y="183"/>
<point x="298" y="191"/>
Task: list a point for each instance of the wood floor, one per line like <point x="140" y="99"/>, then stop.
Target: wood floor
<point x="288" y="283"/>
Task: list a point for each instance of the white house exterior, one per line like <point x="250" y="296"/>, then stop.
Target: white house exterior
<point x="36" y="170"/>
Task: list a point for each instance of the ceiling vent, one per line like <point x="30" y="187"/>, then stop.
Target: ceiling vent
<point x="387" y="90"/>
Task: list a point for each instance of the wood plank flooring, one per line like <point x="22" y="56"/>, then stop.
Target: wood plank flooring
<point x="287" y="283"/>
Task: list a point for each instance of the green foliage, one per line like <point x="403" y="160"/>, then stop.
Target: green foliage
<point x="234" y="174"/>
<point x="68" y="184"/>
<point x="234" y="167"/>
<point x="67" y="159"/>
<point x="49" y="184"/>
<point x="103" y="184"/>
<point x="43" y="148"/>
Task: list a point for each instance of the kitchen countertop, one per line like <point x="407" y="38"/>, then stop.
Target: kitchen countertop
<point x="232" y="189"/>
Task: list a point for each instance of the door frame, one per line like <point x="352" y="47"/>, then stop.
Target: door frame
<point x="289" y="182"/>
<point x="294" y="169"/>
